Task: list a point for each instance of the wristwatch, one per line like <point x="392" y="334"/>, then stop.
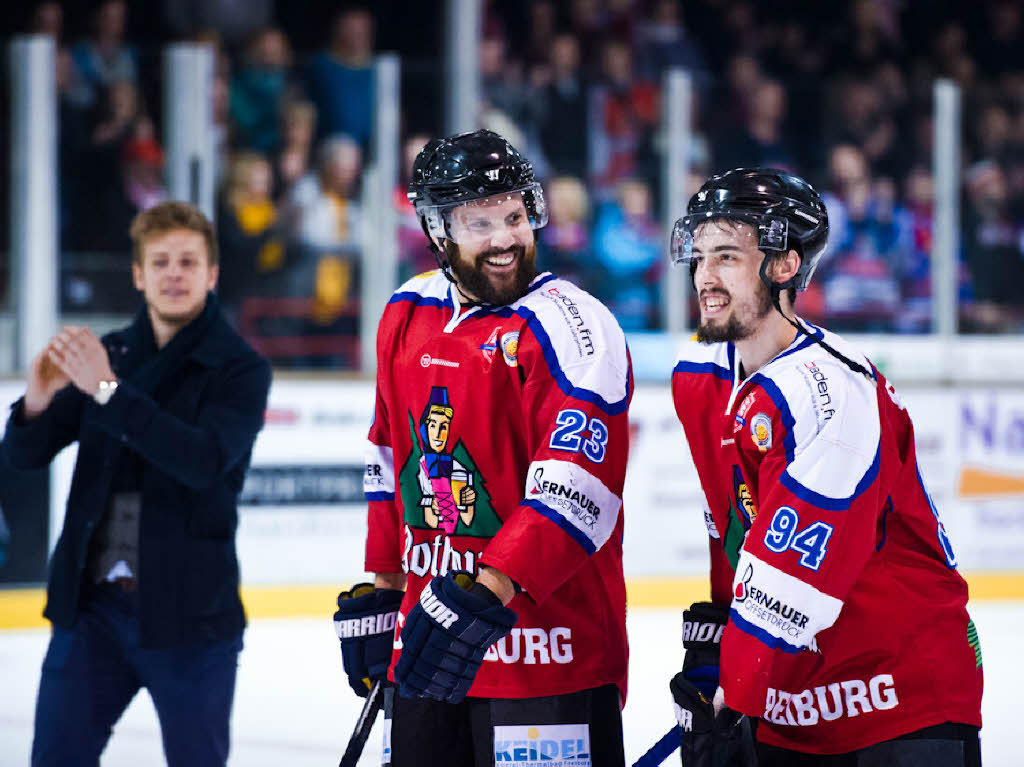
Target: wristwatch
<point x="105" y="392"/>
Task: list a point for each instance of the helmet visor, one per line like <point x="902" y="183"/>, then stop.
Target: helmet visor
<point x="478" y="221"/>
<point x="772" y="232"/>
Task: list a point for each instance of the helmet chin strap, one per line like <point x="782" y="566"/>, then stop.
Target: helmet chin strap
<point x="775" y="290"/>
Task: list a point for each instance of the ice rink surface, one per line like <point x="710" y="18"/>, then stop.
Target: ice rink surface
<point x="294" y="708"/>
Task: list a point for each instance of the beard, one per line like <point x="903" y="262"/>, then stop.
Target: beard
<point x="734" y="330"/>
<point x="473" y="280"/>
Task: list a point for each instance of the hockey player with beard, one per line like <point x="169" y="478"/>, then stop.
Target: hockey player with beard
<point x="837" y="619"/>
<point x="495" y="467"/>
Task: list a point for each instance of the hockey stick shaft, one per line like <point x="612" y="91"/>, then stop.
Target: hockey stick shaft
<point x="661" y="750"/>
<point x="372" y="706"/>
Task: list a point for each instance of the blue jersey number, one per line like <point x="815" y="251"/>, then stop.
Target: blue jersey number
<point x="811" y="542"/>
<point x="569" y="435"/>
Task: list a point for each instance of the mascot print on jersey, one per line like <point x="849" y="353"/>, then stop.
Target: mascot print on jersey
<point x="441" y="487"/>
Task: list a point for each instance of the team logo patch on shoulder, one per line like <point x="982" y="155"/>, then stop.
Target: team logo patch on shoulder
<point x="510" y="348"/>
<point x="761" y="431"/>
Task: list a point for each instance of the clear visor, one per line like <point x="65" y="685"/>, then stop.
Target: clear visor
<point x="515" y="213"/>
<point x="772" y="233"/>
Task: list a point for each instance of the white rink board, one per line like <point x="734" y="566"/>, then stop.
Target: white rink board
<point x="319" y="425"/>
<point x="957" y="428"/>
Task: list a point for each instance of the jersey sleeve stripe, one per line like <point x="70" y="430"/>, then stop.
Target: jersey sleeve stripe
<point x="834" y="504"/>
<point x="801" y="491"/>
<point x="574" y="532"/>
<point x="762" y="636"/>
<point x="379" y="496"/>
<point x="686" y="366"/>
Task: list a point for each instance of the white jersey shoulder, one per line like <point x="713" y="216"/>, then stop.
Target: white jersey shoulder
<point x="834" y="411"/>
<point x="582" y="339"/>
<point x="431" y="285"/>
<point x="692" y="352"/>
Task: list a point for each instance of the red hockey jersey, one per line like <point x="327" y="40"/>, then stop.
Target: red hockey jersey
<point x="848" y="621"/>
<point x="500" y="437"/>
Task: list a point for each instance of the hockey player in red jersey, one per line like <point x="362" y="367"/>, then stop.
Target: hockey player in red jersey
<point x="494" y="477"/>
<point x="838" y="619"/>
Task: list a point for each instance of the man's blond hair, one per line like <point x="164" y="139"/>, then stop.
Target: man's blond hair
<point x="166" y="217"/>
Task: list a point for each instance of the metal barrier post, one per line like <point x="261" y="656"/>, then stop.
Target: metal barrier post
<point x="380" y="242"/>
<point x="464" y="21"/>
<point x="946" y="221"/>
<point x="676" y="121"/>
<point x="188" y="124"/>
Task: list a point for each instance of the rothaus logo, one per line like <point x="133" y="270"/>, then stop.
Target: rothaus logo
<point x="764" y="607"/>
<point x="827" y="703"/>
<point x="571" y="309"/>
<point x="436" y="609"/>
<point x="436" y="557"/>
<point x="366" y="626"/>
<point x="577" y="503"/>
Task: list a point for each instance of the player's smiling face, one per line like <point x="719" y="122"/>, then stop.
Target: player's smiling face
<point x="495" y="258"/>
<point x="733" y="299"/>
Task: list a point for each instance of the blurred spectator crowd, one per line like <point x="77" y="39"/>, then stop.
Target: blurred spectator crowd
<point x="839" y="92"/>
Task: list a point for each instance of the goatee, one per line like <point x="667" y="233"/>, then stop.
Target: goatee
<point x="734" y="330"/>
<point x="473" y="280"/>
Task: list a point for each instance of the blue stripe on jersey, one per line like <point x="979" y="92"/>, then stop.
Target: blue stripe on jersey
<point x="685" y="366"/>
<point x="800" y="491"/>
<point x="816" y="332"/>
<point x="379" y="496"/>
<point x="420" y="300"/>
<point x="542" y="281"/>
<point x="775" y="393"/>
<point x="760" y="634"/>
<point x="574" y="532"/>
<point x="584" y="395"/>
<point x="834" y="504"/>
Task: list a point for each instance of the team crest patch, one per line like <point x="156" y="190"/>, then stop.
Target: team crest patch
<point x="510" y="348"/>
<point x="761" y="431"/>
<point x="440" y="484"/>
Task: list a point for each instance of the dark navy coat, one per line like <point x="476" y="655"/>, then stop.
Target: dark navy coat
<point x="192" y="418"/>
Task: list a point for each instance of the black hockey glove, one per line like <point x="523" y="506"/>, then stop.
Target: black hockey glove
<point x="446" y="635"/>
<point x="703" y="625"/>
<point x="365" y="623"/>
<point x="725" y="740"/>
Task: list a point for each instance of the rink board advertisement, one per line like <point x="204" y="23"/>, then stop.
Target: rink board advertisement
<point x="303" y="518"/>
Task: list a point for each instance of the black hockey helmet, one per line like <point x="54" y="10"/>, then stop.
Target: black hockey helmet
<point x="785" y="210"/>
<point x="468" y="167"/>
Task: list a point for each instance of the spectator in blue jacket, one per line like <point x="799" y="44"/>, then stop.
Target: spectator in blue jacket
<point x="143" y="585"/>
